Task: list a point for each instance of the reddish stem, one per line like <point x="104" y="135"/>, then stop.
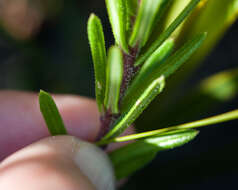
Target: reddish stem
<point x="129" y="70"/>
<point x="128" y="73"/>
<point x="106" y="121"/>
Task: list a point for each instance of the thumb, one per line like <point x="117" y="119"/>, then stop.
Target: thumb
<point x="61" y="162"/>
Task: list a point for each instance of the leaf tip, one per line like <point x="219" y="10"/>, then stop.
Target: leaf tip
<point x="42" y="93"/>
<point x="92" y="16"/>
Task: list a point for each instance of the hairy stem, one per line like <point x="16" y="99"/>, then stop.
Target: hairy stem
<point x="106" y="121"/>
<point x="129" y="72"/>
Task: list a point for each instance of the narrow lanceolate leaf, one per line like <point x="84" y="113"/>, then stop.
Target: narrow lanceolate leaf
<point x="136" y="87"/>
<point x="137" y="108"/>
<point x="51" y="114"/>
<point x="144" y="21"/>
<point x="174" y="10"/>
<point x="114" y="74"/>
<point x="134" y="156"/>
<point x="97" y="45"/>
<point x="131" y="8"/>
<point x="180" y="56"/>
<point x="158" y="56"/>
<point x="118" y="18"/>
<point x="201" y="19"/>
<point x="158" y="25"/>
<point x="182" y="16"/>
<point x="232" y="115"/>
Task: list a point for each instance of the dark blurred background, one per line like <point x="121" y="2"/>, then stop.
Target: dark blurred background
<point x="43" y="45"/>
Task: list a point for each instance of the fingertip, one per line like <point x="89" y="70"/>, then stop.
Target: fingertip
<point x="62" y="162"/>
<point x="80" y="115"/>
<point x="21" y="122"/>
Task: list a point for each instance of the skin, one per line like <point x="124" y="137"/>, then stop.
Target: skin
<point x="48" y="163"/>
<point x="21" y="122"/>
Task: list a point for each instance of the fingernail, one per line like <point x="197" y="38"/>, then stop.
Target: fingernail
<point x="95" y="164"/>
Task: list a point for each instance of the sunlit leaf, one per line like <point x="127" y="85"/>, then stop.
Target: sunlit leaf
<point x="158" y="24"/>
<point x="202" y="20"/>
<point x="174" y="10"/>
<point x="148" y="10"/>
<point x="187" y="10"/>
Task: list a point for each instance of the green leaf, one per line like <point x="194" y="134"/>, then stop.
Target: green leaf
<point x="125" y="168"/>
<point x="158" y="25"/>
<point x="114" y="74"/>
<point x="131" y="8"/>
<point x="98" y="50"/>
<point x="118" y="18"/>
<point x="202" y="20"/>
<point x="174" y="10"/>
<point x="180" y="56"/>
<point x="137" y="108"/>
<point x="232" y="115"/>
<point x="144" y="73"/>
<point x="132" y="157"/>
<point x="144" y="21"/>
<point x="51" y="114"/>
<point x="187" y="10"/>
<point x="165" y="68"/>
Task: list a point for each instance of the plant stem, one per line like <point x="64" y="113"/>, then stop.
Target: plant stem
<point x="196" y="124"/>
<point x="106" y="121"/>
<point x="129" y="71"/>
